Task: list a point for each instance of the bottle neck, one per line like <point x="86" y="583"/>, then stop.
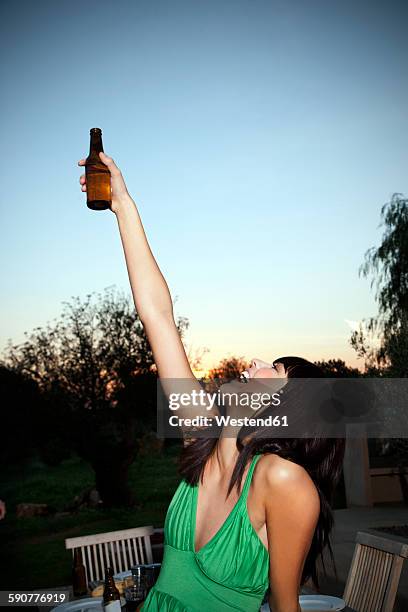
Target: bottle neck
<point x="109" y="581"/>
<point x="77" y="557"/>
<point x="96" y="142"/>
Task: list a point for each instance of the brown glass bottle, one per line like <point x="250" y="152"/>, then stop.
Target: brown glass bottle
<point x="98" y="186"/>
<point x="111" y="597"/>
<point x="78" y="575"/>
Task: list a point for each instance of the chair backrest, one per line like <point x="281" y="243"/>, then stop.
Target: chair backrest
<point x="375" y="571"/>
<point x="117" y="549"/>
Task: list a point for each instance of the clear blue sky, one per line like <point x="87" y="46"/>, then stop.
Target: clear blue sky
<point x="259" y="138"/>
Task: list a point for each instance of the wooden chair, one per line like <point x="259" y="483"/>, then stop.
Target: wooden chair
<point x="374" y="573"/>
<point x="117" y="549"/>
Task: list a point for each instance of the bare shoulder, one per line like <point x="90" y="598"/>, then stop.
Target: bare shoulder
<point x="282" y="479"/>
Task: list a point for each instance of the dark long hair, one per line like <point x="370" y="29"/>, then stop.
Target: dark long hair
<point x="321" y="457"/>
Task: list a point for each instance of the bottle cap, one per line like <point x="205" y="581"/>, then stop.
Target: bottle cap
<point x="96" y="130"/>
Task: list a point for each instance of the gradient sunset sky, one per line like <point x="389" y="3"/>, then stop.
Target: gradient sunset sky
<point x="259" y="139"/>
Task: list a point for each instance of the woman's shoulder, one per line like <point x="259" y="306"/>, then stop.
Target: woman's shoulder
<point x="280" y="476"/>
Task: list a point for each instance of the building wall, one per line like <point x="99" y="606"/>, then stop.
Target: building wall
<point x="385" y="485"/>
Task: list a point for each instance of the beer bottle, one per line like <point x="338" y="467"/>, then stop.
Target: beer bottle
<point x="98" y="186"/>
<point x="111" y="596"/>
<point x="79" y="575"/>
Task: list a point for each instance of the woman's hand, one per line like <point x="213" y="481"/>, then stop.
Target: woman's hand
<point x="150" y="291"/>
<point x="118" y="186"/>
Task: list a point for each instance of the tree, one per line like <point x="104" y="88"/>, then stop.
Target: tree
<point x="337" y="368"/>
<point x="95" y="367"/>
<point x="228" y="368"/>
<point x="388" y="266"/>
<point x="19" y="416"/>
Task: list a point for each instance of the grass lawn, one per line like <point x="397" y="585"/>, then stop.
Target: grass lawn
<point x="33" y="551"/>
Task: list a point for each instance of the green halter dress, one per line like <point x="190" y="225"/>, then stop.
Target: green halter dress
<point x="228" y="573"/>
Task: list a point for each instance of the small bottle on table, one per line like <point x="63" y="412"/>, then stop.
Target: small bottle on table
<point x="111" y="596"/>
<point x="79" y="585"/>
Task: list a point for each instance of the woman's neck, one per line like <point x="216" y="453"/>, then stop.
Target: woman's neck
<point x="226" y="454"/>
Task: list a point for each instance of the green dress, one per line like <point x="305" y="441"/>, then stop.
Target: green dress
<point x="229" y="573"/>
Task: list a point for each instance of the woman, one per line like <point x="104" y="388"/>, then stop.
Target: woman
<point x="250" y="512"/>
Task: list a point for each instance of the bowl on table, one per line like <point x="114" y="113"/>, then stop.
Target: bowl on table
<point x="88" y="604"/>
<point x="317" y="603"/>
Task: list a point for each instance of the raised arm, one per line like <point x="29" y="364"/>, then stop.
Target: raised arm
<point x="149" y="288"/>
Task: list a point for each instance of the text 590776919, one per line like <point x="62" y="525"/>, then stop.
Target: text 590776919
<point x="33" y="598"/>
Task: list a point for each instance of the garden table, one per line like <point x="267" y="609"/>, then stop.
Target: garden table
<point x="98" y="600"/>
<point x="70" y="597"/>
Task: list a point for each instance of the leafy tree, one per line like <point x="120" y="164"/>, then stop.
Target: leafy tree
<point x="388" y="266"/>
<point x="228" y="368"/>
<point x="19" y="416"/>
<point x="337" y="368"/>
<point x="95" y="368"/>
